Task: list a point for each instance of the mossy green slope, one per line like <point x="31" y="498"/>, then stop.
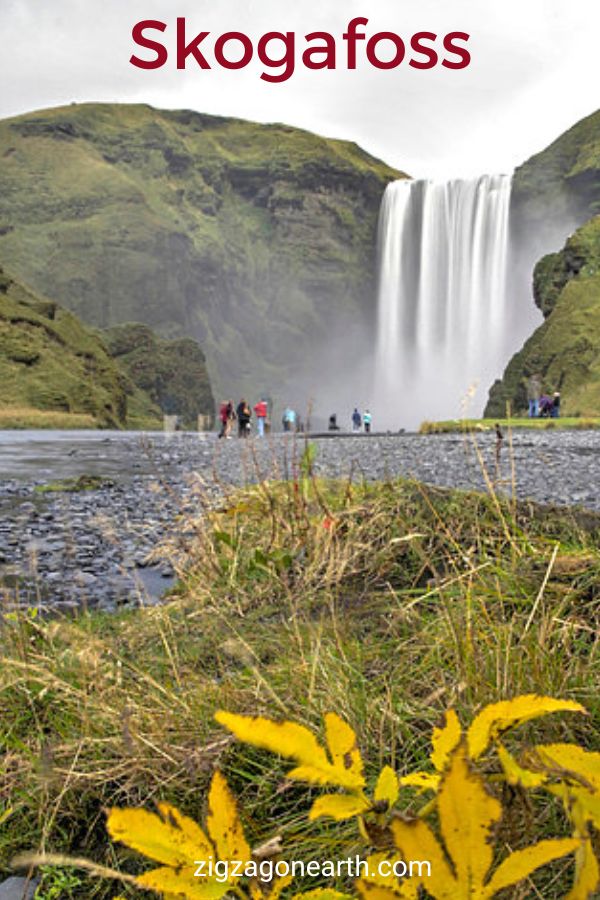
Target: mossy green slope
<point x="559" y="186"/>
<point x="170" y="375"/>
<point x="49" y="361"/>
<point x="256" y="240"/>
<point x="565" y="349"/>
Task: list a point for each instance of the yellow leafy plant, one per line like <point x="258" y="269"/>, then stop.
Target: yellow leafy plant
<point x="454" y="833"/>
<point x="338" y="763"/>
<point x="179" y="844"/>
<point x="463" y="859"/>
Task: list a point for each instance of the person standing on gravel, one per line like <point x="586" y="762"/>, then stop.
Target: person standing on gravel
<point x="356" y="420"/>
<point x="244" y="415"/>
<point x="226" y="415"/>
<point x="367" y="419"/>
<point x="288" y="420"/>
<point x="261" y="411"/>
<point x="534" y="389"/>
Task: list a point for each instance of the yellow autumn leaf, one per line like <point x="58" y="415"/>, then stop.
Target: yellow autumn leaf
<point x="587" y="873"/>
<point x="496" y="718"/>
<point x="339" y="806"/>
<point x="386" y="789"/>
<point x="565" y="759"/>
<point x="293" y="741"/>
<point x="375" y="885"/>
<point x="171" y="838"/>
<point x="5" y="814"/>
<point x="323" y="894"/>
<point x="578" y="771"/>
<point x="521" y="863"/>
<point x="516" y="774"/>
<point x="426" y="781"/>
<point x="277" y="886"/>
<point x="416" y="841"/>
<point x="341" y="743"/>
<point x="467" y="816"/>
<point x="183" y="883"/>
<point x="223" y="822"/>
<point x="369" y="890"/>
<point x="445" y="740"/>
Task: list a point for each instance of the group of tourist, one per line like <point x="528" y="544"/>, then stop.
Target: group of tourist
<point x="358" y="421"/>
<point x="243" y="414"/>
<point x="541" y="405"/>
<point x="229" y="413"/>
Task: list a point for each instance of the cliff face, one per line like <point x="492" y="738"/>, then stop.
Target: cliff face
<point x="171" y="374"/>
<point x="554" y="194"/>
<point x="125" y="377"/>
<point x="558" y="189"/>
<point x="49" y="361"/>
<point x="256" y="240"/>
<point x="565" y="350"/>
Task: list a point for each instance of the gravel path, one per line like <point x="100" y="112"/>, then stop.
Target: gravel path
<point x="68" y="550"/>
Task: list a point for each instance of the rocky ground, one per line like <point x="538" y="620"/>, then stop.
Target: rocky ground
<point x="94" y="548"/>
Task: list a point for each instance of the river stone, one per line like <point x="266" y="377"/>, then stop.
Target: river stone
<point x="18" y="889"/>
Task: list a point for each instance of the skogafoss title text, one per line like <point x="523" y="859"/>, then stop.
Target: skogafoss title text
<point x="281" y="52"/>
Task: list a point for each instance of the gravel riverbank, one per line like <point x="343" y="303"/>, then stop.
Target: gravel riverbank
<point x="90" y="548"/>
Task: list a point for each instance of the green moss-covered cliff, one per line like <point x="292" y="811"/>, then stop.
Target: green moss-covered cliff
<point x="558" y="189"/>
<point x="126" y="377"/>
<point x="565" y="349"/>
<point x="171" y="374"/>
<point x="50" y="362"/>
<point x="256" y="240"/>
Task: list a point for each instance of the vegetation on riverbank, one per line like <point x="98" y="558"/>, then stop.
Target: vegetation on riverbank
<point x="58" y="373"/>
<point x="450" y="426"/>
<point x="387" y="603"/>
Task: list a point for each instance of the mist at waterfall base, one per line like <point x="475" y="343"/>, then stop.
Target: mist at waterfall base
<point x="447" y="321"/>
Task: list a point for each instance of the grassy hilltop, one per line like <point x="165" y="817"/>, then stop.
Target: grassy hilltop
<point x="257" y="240"/>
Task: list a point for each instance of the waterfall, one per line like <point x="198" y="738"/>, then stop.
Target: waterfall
<point x="446" y="326"/>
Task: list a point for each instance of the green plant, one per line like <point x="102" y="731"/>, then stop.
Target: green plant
<point x="58" y="883"/>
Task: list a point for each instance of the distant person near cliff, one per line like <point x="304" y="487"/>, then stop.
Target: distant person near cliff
<point x="261" y="412"/>
<point x="356" y="420"/>
<point x="555" y="410"/>
<point x="226" y="416"/>
<point x="545" y="406"/>
<point x="367" y="419"/>
<point x="534" y="390"/>
<point x="244" y="415"/>
<point x="288" y="419"/>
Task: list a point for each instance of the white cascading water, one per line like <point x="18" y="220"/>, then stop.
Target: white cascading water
<point x="445" y="326"/>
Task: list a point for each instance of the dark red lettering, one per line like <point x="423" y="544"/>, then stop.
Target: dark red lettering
<point x="416" y="43"/>
<point x="141" y="40"/>
<point x="451" y="47"/>
<point x="246" y="43"/>
<point x="351" y="37"/>
<point x="192" y="49"/>
<point x="289" y="41"/>
<point x="327" y="50"/>
<point x="385" y="36"/>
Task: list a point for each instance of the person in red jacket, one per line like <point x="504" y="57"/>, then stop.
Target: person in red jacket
<point x="261" y="412"/>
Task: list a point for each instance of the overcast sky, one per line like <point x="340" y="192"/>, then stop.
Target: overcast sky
<point x="535" y="71"/>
